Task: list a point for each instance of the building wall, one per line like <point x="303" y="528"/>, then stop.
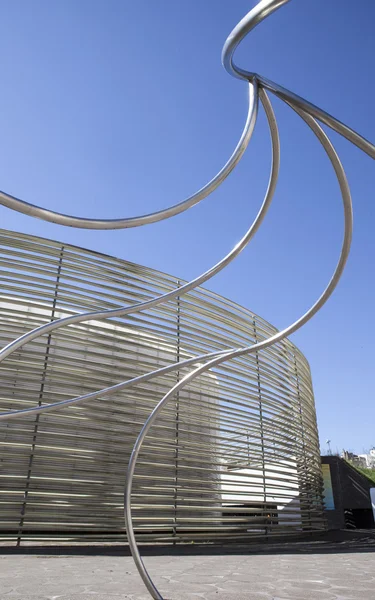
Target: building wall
<point x="351" y="492"/>
<point x="62" y="473"/>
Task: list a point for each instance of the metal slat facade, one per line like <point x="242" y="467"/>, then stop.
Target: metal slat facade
<point x="234" y="455"/>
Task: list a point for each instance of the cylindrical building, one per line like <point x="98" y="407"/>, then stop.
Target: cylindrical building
<point x="234" y="455"/>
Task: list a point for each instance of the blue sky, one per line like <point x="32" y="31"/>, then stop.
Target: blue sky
<point x="117" y="108"/>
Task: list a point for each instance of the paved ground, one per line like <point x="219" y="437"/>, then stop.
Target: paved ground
<point x="302" y="576"/>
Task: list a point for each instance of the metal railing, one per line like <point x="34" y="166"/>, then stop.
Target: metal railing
<point x="258" y="88"/>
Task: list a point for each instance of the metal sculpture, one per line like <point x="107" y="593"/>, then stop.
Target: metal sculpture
<point x="258" y="87"/>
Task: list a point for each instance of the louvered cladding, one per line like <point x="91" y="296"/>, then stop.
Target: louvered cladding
<point x="233" y="456"/>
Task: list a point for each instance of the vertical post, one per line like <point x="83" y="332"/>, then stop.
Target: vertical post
<point x="40" y="399"/>
<point x="177" y="418"/>
<point x="261" y="427"/>
<point x="305" y="484"/>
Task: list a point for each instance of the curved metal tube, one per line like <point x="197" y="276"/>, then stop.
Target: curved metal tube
<point x="119" y="312"/>
<point x="313" y="110"/>
<point x="109" y="391"/>
<point x="48" y="327"/>
<point x="348" y="226"/>
<point x="85" y="223"/>
<point x="255" y="16"/>
<point x="257" y="89"/>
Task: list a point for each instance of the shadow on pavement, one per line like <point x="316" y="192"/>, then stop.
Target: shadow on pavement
<point x="332" y="542"/>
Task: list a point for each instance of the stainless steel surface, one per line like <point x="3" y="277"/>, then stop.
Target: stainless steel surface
<point x="243" y="420"/>
<point x="277" y="337"/>
<point x="203" y="278"/>
<point x="228" y="448"/>
<point x="168" y="296"/>
<point x="255" y="16"/>
<point x="85" y="223"/>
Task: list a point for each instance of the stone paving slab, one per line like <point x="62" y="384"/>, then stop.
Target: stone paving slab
<point x="348" y="576"/>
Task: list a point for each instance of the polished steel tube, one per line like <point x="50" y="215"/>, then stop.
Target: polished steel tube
<point x="203" y="278"/>
<point x="85" y="223"/>
<point x="189" y="378"/>
<point x="255" y="16"/>
<point x="237" y="453"/>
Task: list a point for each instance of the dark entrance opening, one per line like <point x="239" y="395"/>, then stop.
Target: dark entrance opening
<point x="359" y="518"/>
